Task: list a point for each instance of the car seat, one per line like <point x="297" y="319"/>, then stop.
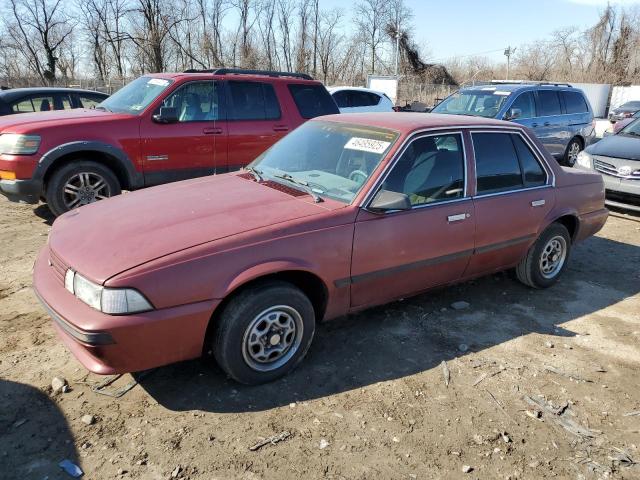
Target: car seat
<point x="191" y="108"/>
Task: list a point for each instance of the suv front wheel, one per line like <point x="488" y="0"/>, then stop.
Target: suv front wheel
<point x="571" y="154"/>
<point x="80" y="183"/>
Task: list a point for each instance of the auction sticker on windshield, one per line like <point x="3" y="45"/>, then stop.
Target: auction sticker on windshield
<point x="158" y="81"/>
<point x="367" y="145"/>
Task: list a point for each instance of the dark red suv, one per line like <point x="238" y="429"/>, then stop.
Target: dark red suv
<point x="157" y="129"/>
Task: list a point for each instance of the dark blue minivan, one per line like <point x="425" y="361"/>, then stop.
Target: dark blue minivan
<point x="558" y="114"/>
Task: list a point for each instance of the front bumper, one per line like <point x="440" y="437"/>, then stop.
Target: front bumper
<point x="26" y="191"/>
<point x="622" y="193"/>
<point x="109" y="344"/>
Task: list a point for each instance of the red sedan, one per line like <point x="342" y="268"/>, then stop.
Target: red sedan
<point x="346" y="212"/>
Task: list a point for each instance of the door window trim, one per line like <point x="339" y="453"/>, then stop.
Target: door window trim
<point x="398" y="155"/>
<point x="536" y="153"/>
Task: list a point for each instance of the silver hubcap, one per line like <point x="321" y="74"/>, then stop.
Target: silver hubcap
<point x="84" y="188"/>
<point x="553" y="256"/>
<point x="574" y="150"/>
<point x="272" y="338"/>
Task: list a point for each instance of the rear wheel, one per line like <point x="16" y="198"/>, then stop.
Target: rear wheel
<point x="80" y="183"/>
<point x="264" y="332"/>
<point x="571" y="154"/>
<point x="547" y="259"/>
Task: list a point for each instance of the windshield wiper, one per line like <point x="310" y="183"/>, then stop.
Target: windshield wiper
<point x="256" y="173"/>
<point x="305" y="186"/>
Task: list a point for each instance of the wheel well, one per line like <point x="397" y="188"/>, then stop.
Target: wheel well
<point x="99" y="157"/>
<point x="571" y="223"/>
<point x="580" y="139"/>
<point x="311" y="285"/>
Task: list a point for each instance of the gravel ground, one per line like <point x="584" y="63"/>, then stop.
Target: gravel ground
<point x="519" y="384"/>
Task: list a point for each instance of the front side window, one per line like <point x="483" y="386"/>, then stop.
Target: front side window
<point x="574" y="102"/>
<point x="549" y="103"/>
<point x="136" y="96"/>
<point x="195" y="102"/>
<point x="88" y="101"/>
<point x="253" y="101"/>
<point x="430" y="170"/>
<point x="312" y="100"/>
<point x="479" y="103"/>
<point x="524" y="106"/>
<point x="333" y="159"/>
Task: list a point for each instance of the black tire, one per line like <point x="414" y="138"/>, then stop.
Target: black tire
<point x="60" y="202"/>
<point x="530" y="270"/>
<point x="243" y="316"/>
<point x="571" y="153"/>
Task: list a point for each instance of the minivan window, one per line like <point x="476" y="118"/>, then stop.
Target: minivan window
<point x="312" y="100"/>
<point x="549" y="103"/>
<point x="526" y="104"/>
<point x="497" y="166"/>
<point x="574" y="102"/>
<point x="253" y="101"/>
<point x="479" y="103"/>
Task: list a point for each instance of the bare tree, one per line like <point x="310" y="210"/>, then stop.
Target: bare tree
<point x="328" y="41"/>
<point x="370" y="19"/>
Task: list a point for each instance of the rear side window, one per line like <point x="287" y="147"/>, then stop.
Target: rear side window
<point x="89" y="101"/>
<point x="497" y="166"/>
<point x="549" y="103"/>
<point x="363" y="99"/>
<point x="312" y="100"/>
<point x="574" y="102"/>
<point x="526" y="104"/>
<point x="533" y="173"/>
<point x="22" y="106"/>
<point x="253" y="101"/>
<point x="342" y="98"/>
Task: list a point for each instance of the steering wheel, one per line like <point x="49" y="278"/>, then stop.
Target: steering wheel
<point x="353" y="176"/>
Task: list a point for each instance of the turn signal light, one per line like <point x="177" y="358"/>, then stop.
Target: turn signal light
<point x="4" y="175"/>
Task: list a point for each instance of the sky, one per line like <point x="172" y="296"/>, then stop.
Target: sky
<point x="455" y="28"/>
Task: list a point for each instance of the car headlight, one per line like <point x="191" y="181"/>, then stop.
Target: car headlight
<point x="16" y="144"/>
<point x="114" y="301"/>
<point x="584" y="159"/>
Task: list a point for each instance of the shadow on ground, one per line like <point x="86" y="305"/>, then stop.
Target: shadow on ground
<point x="405" y="338"/>
<point x="44" y="213"/>
<point x="34" y="434"/>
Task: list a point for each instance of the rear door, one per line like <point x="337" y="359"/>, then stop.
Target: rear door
<point x="551" y="126"/>
<point x="513" y="196"/>
<point x="578" y="114"/>
<point x="404" y="252"/>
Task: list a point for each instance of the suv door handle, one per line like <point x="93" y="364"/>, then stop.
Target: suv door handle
<point x="212" y="131"/>
<point x="280" y="128"/>
<point x="458" y="217"/>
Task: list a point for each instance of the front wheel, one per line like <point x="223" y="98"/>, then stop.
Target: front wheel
<point x="547" y="259"/>
<point x="571" y="154"/>
<point x="264" y="332"/>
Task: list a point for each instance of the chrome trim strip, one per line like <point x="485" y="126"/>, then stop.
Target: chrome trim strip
<point x="94" y="339"/>
<point x="155" y="158"/>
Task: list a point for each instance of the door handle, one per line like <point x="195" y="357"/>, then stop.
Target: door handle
<point x="538" y="203"/>
<point x="458" y="217"/>
<point x="212" y="131"/>
<point x="534" y="125"/>
<point x="280" y="128"/>
<point x="546" y="124"/>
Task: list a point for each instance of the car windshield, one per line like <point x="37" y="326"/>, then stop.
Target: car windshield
<point x="479" y="103"/>
<point x="327" y="159"/>
<point x="632" y="129"/>
<point x="136" y="96"/>
<point x="630" y="106"/>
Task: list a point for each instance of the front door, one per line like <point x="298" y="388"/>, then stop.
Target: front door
<point x="194" y="146"/>
<point x="400" y="253"/>
<point x="513" y="198"/>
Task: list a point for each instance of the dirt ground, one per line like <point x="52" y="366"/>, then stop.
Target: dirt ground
<point x="541" y="384"/>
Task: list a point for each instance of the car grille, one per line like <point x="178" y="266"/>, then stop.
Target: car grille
<point x="59" y="267"/>
<point x="609" y="169"/>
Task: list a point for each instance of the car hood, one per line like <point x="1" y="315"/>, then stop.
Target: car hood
<point x="109" y="237"/>
<point x="27" y="122"/>
<point x="617" y="146"/>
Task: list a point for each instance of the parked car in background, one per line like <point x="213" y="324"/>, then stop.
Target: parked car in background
<point x="617" y="158"/>
<point x="626" y="110"/>
<point x="620" y="124"/>
<point x="346" y="212"/>
<point x="559" y="115"/>
<point x="358" y="99"/>
<point x="159" y="128"/>
<point x="45" y="99"/>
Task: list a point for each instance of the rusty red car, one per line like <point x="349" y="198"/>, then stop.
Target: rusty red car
<point x="345" y="213"/>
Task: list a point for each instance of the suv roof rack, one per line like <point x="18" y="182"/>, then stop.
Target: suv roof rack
<point x="242" y="71"/>
<point x="530" y="82"/>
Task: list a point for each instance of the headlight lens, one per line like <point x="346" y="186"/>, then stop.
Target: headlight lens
<point x="16" y="144"/>
<point x="584" y="159"/>
<point x="114" y="301"/>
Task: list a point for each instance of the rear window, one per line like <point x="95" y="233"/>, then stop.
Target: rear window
<point x="312" y="100"/>
<point x="253" y="101"/>
<point x="549" y="103"/>
<point x="574" y="102"/>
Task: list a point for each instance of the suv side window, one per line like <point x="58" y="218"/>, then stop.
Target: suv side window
<point x="312" y="100"/>
<point x="430" y="170"/>
<point x="574" y="102"/>
<point x="194" y="102"/>
<point x="549" y="103"/>
<point x="253" y="101"/>
<point x="526" y="104"/>
<point x="497" y="166"/>
<point x="87" y="101"/>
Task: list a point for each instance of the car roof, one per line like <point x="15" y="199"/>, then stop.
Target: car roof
<point x="14" y="93"/>
<point x="360" y="89"/>
<point x="230" y="76"/>
<point x="407" y="122"/>
<point x="514" y="87"/>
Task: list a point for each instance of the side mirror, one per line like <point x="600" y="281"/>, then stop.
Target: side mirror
<point x="166" y="115"/>
<point x="386" y="200"/>
<point x="513" y="113"/>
